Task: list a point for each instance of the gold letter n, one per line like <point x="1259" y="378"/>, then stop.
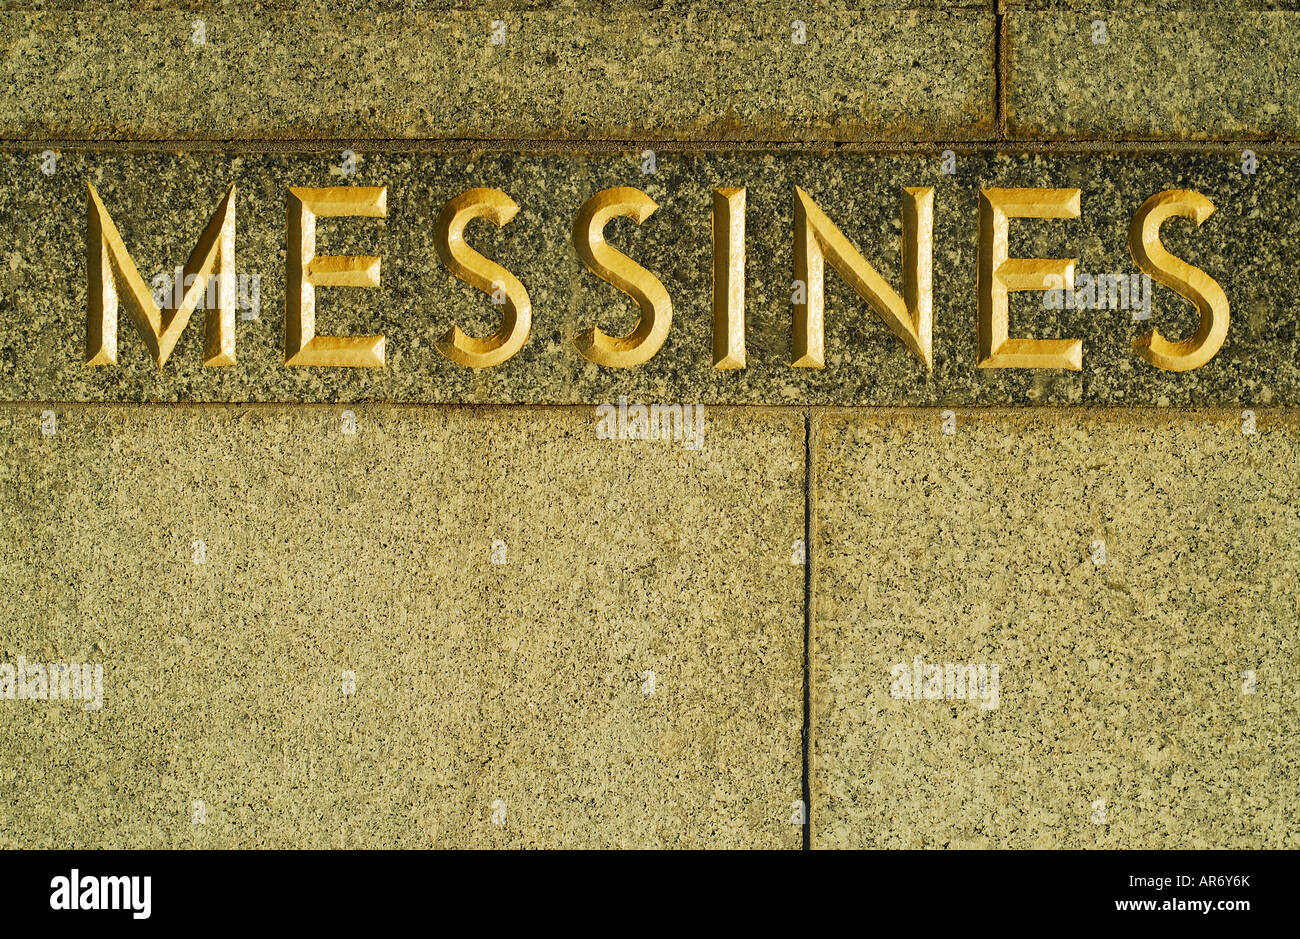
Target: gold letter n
<point x="109" y="266"/>
<point x="909" y="316"/>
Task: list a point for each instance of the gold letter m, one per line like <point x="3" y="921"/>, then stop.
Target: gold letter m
<point x="109" y="266"/>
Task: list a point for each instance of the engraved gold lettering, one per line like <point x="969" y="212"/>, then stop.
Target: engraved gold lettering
<point x="999" y="274"/>
<point x="816" y="239"/>
<point x="109" y="266"/>
<point x="728" y="278"/>
<point x="493" y="279"/>
<point x="306" y="271"/>
<point x="615" y="267"/>
<point x="1191" y="283"/>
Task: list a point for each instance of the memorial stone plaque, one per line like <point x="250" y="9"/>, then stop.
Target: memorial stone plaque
<point x="840" y="424"/>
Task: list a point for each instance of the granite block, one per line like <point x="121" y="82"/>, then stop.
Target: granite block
<point x="1131" y="574"/>
<point x="1160" y="74"/>
<point x="161" y="201"/>
<point x="497" y="585"/>
<point x="777" y="71"/>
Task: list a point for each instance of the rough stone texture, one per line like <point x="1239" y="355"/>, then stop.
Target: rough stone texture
<point x="1120" y="682"/>
<point x="1153" y="6"/>
<point x="678" y="7"/>
<point x="475" y="682"/>
<point x="624" y="72"/>
<point x="1203" y="74"/>
<point x="523" y="682"/>
<point x="161" y="202"/>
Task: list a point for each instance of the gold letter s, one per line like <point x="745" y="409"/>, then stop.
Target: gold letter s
<point x="612" y="265"/>
<point x="1189" y="282"/>
<point x="477" y="271"/>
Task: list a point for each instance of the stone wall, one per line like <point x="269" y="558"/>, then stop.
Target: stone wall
<point x="777" y="585"/>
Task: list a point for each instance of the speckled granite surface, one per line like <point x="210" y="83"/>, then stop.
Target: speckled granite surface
<point x="625" y="71"/>
<point x="522" y="681"/>
<point x="1147" y="6"/>
<point x="345" y="619"/>
<point x="1120" y="682"/>
<point x="1201" y="74"/>
<point x="161" y="202"/>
